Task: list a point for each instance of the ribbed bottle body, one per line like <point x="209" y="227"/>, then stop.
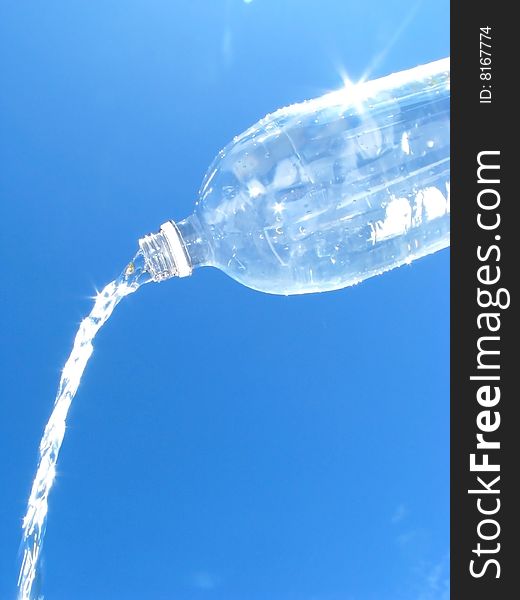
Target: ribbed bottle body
<point x="323" y="194"/>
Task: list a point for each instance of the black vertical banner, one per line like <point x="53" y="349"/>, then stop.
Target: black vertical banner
<point x="485" y="432"/>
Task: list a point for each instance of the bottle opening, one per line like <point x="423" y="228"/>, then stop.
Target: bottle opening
<point x="165" y="254"/>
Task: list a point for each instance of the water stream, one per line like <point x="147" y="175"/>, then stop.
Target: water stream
<point x="35" y="518"/>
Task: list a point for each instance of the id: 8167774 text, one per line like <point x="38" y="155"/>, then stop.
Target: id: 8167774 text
<point x="485" y="65"/>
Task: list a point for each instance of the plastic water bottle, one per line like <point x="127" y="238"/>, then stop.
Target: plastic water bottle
<point x="321" y="195"/>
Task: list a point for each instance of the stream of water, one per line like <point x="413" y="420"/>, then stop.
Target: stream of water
<point x="35" y="518"/>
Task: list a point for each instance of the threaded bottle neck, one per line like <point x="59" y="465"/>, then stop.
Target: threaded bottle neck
<point x="165" y="254"/>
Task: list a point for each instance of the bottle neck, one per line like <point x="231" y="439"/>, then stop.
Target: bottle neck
<point x="196" y="241"/>
<point x="175" y="250"/>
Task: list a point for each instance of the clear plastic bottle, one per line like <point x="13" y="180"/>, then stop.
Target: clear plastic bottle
<point x="324" y="194"/>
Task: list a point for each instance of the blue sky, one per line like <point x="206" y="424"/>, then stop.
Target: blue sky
<point x="224" y="444"/>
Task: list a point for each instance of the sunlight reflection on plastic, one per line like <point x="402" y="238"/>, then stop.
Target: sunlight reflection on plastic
<point x="351" y="90"/>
